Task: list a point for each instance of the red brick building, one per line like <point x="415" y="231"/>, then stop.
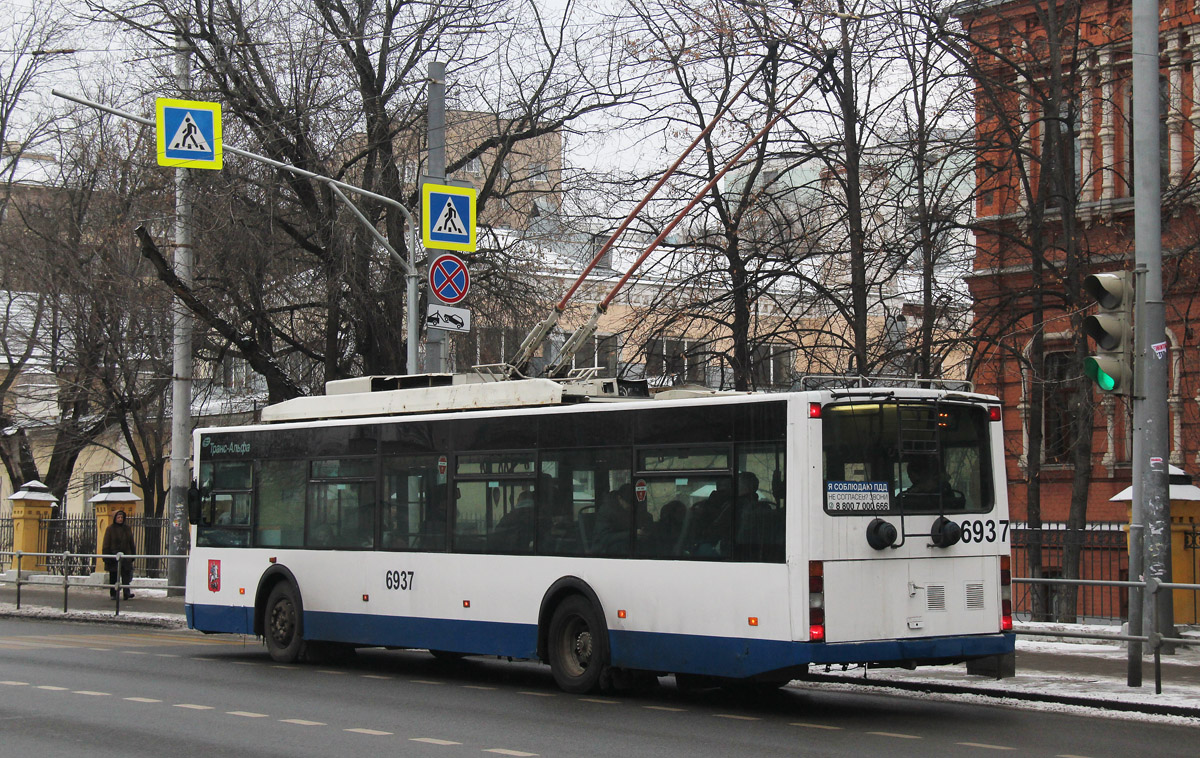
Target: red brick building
<point x="1053" y="110"/>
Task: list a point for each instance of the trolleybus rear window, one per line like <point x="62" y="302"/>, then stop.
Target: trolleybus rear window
<point x="906" y="457"/>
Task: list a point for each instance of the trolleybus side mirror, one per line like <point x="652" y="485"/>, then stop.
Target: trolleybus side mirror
<point x="193" y="504"/>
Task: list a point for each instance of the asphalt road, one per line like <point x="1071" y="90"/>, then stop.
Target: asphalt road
<point x="69" y="689"/>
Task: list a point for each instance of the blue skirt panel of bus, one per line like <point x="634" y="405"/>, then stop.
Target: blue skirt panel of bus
<point x="479" y="637"/>
<point x="684" y="653"/>
<point x="230" y="619"/>
<point x="737" y="658"/>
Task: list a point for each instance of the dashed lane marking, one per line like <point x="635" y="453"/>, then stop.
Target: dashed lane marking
<point x="736" y="717"/>
<point x="165" y="655"/>
<point x="664" y="708"/>
<point x="372" y="732"/>
<point x="421" y="681"/>
<point x="11" y="683"/>
<point x="477" y="687"/>
<point x="247" y="714"/>
<point x="536" y="694"/>
<point x="433" y="741"/>
<point x="101" y="649"/>
<point x="142" y="700"/>
<point x="897" y="735"/>
<point x="52" y="688"/>
<point x="505" y="751"/>
<point x="817" y="726"/>
<point x="985" y="746"/>
<point x="93" y="693"/>
<point x="598" y="700"/>
<point x="194" y="707"/>
<point x="377" y="676"/>
<point x="303" y="722"/>
<point x="330" y="671"/>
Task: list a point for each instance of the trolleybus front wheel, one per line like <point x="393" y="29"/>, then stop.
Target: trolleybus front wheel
<point x="281" y="625"/>
<point x="578" y="646"/>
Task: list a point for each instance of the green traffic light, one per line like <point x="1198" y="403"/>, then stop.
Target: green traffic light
<point x="1093" y="368"/>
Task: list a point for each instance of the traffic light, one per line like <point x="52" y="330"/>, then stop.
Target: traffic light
<point x="1111" y="368"/>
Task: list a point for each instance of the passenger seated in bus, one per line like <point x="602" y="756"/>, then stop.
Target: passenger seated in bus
<point x="613" y="521"/>
<point x="514" y="532"/>
<point x="560" y="533"/>
<point x="712" y="523"/>
<point x="929" y="487"/>
<point x="664" y="537"/>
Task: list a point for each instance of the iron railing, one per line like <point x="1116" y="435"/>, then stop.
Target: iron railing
<point x="77" y="537"/>
<point x="1153" y="637"/>
<point x="1103" y="557"/>
<point x="69" y="580"/>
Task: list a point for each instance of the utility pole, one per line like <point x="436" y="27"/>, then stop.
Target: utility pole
<point x="1151" y="507"/>
<point x="181" y="378"/>
<point x="435" y="339"/>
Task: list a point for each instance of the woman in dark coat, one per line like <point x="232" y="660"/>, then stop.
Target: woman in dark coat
<point x="118" y="538"/>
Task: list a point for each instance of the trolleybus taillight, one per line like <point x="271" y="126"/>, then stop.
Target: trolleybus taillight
<point x="994" y="413"/>
<point x="814" y="410"/>
<point x="1005" y="594"/>
<point x="816" y="601"/>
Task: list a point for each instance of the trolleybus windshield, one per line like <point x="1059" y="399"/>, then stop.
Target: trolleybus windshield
<point x="889" y="457"/>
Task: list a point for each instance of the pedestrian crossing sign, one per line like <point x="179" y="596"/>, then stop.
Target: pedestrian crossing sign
<point x="448" y="217"/>
<point x="189" y="133"/>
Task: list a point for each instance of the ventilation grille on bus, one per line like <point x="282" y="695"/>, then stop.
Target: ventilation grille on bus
<point x="974" y="596"/>
<point x="935" y="597"/>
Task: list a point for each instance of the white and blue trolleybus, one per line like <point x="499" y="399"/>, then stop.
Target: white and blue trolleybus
<point x="735" y="537"/>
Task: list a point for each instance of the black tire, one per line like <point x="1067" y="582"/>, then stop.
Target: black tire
<point x="577" y="646"/>
<point x="282" y="624"/>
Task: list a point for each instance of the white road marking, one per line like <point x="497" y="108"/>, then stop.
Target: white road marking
<point x="372" y="732"/>
<point x="985" y="746"/>
<point x="817" y="726"/>
<point x="142" y="700"/>
<point x="91" y="692"/>
<point x="165" y="655"/>
<point x="377" y="676"/>
<point x="134" y="652"/>
<point x="303" y="722"/>
<point x="15" y="684"/>
<point x="537" y="694"/>
<point x="896" y="735"/>
<point x="421" y="681"/>
<point x="247" y="714"/>
<point x="735" y="716"/>
<point x="52" y="688"/>
<point x="664" y="708"/>
<point x="477" y="687"/>
<point x="194" y="707"/>
<point x="503" y="751"/>
<point x="598" y="700"/>
<point x="329" y="671"/>
<point x="434" y="741"/>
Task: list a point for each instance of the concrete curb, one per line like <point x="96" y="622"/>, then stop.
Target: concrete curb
<point x="1124" y="706"/>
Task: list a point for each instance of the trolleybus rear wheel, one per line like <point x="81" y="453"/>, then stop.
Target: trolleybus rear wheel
<point x="578" y="646"/>
<point x="281" y="624"/>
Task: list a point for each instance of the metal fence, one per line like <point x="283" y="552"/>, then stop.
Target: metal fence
<point x="1103" y="556"/>
<point x="6" y="531"/>
<point x="76" y="536"/>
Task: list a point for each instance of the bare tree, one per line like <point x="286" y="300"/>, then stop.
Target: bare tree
<point x="338" y="88"/>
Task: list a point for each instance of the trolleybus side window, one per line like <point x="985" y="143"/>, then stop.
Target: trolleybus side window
<point x="914" y="457"/>
<point x="280" y="517"/>
<point x="225" y="491"/>
<point x="761" y="517"/>
<point x="341" y="503"/>
<point x="494" y="503"/>
<point x="572" y="487"/>
<point x="414" y="505"/>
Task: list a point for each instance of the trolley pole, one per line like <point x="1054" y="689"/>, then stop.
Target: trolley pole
<point x="181" y="379"/>
<point x="1150" y="417"/>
